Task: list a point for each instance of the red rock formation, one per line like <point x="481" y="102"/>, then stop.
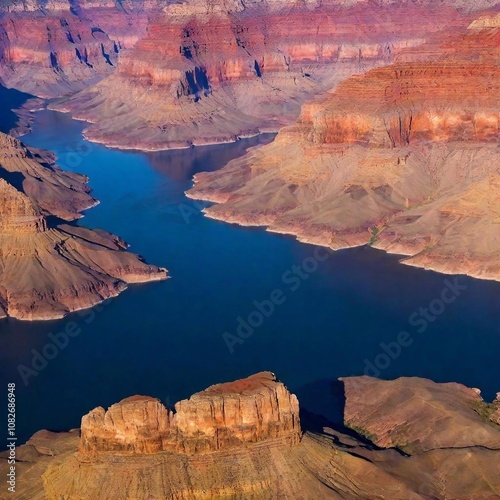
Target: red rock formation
<point x="213" y="72"/>
<point x="223" y="416"/>
<point x="137" y="424"/>
<point x="56" y="49"/>
<point x="404" y="157"/>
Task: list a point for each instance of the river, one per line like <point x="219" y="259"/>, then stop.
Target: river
<point x="337" y="316"/>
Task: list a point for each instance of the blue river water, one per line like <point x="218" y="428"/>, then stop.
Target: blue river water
<point x="336" y="317"/>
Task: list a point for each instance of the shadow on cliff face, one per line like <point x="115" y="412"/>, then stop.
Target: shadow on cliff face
<point x="322" y="404"/>
<point x="15" y="179"/>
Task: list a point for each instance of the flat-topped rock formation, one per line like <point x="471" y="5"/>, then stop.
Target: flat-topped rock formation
<point x="417" y="415"/>
<point x="404" y="158"/>
<point x="47" y="271"/>
<point x="221" y="417"/>
<point x="243" y="440"/>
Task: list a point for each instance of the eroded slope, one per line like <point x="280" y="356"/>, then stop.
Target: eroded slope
<point x="48" y="269"/>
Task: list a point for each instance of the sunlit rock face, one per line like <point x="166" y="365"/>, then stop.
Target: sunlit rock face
<point x="159" y="75"/>
<point x="49" y="270"/>
<point x="403" y="157"/>
<point x="400" y="439"/>
<point x="53" y="48"/>
<point x="221" y="417"/>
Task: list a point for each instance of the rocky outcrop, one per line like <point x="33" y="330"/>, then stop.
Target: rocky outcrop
<point x="255" y="448"/>
<point x="404" y="158"/>
<point x="221" y="417"/>
<point x="50" y="269"/>
<point x="35" y="173"/>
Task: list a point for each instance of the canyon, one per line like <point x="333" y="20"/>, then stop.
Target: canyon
<point x="396" y="139"/>
<point x="387" y="116"/>
<point x="48" y="266"/>
<point x="388" y="112"/>
<point x="407" y="438"/>
<point x="157" y="75"/>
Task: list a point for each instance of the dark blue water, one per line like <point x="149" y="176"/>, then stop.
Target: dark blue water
<point x="166" y="339"/>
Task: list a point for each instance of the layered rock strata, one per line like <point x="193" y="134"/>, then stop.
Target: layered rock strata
<point x="158" y="75"/>
<point x="404" y="158"/>
<point x="50" y="49"/>
<point x="255" y="448"/>
<point x="49" y="269"/>
<point x="221" y="417"/>
<point x="209" y="72"/>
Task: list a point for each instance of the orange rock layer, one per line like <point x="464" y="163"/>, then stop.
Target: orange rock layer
<point x="221" y="417"/>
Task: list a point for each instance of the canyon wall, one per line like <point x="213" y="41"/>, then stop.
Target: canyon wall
<point x="207" y="72"/>
<point x="158" y="74"/>
<point x="50" y="49"/>
<point x="403" y="157"/>
<point x="48" y="269"/>
<point x="409" y="438"/>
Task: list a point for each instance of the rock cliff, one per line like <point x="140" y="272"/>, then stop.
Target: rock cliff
<point x="243" y="440"/>
<point x="50" y="49"/>
<point x="221" y="417"/>
<point x="403" y="157"/>
<point x="50" y="269"/>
